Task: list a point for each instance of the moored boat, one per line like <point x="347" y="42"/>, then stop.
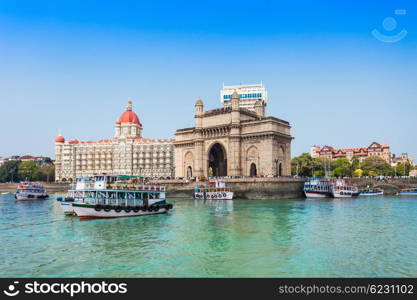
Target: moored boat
<point x="371" y="192"/>
<point x="408" y="192"/>
<point x="341" y="189"/>
<point x="30" y="191"/>
<point x="217" y="191"/>
<point x="317" y="189"/>
<point x="117" y="196"/>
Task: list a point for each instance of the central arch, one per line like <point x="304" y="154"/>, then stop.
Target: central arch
<point x="217" y="161"/>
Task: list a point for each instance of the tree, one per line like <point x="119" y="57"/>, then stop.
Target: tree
<point x="9" y="171"/>
<point x="343" y="168"/>
<point x="305" y="165"/>
<point x="46" y="173"/>
<point x="358" y="173"/>
<point x="28" y="170"/>
<point x="403" y="169"/>
<point x="376" y="165"/>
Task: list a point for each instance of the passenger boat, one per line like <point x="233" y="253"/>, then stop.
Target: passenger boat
<point x="408" y="192"/>
<point x="30" y="191"/>
<point x="217" y="191"/>
<point x="371" y="192"/>
<point x="117" y="196"/>
<point x="317" y="189"/>
<point x="81" y="183"/>
<point x="341" y="189"/>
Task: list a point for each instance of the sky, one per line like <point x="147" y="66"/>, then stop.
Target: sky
<point x="343" y="73"/>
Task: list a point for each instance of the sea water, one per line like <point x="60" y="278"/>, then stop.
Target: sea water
<point x="362" y="237"/>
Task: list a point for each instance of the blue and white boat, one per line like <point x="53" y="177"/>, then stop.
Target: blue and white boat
<point x="317" y="189"/>
<point x="371" y="192"/>
<point x="408" y="192"/>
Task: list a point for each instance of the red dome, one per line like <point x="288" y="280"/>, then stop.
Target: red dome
<point x="59" y="139"/>
<point x="129" y="116"/>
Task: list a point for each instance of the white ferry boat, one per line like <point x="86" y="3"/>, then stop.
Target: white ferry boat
<point x="408" y="192"/>
<point x="317" y="189"/>
<point x="30" y="191"/>
<point x="340" y="189"/>
<point x="116" y="196"/>
<point x="217" y="191"/>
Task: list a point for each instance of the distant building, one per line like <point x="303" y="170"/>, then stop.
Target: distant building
<point x="403" y="158"/>
<point x="41" y="161"/>
<point x="128" y="153"/>
<point x="375" y="149"/>
<point x="249" y="95"/>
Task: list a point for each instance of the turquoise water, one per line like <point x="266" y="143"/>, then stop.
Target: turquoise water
<point x="375" y="236"/>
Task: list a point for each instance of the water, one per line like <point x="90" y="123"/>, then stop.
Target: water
<point x="372" y="237"/>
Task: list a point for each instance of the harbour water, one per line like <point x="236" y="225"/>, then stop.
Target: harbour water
<point x="363" y="237"/>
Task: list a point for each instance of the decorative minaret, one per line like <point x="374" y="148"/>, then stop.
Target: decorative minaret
<point x="260" y="109"/>
<point x="199" y="111"/>
<point x="234" y="167"/>
<point x="235" y="108"/>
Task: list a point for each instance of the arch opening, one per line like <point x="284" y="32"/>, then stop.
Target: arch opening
<point x="217" y="161"/>
<point x="189" y="172"/>
<point x="253" y="171"/>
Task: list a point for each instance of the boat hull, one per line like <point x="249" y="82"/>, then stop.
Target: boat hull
<point x="32" y="196"/>
<point x="407" y="193"/>
<point x="372" y="194"/>
<point x="214" y="195"/>
<point x="344" y="194"/>
<point x="67" y="208"/>
<point x="89" y="211"/>
<point x="317" y="194"/>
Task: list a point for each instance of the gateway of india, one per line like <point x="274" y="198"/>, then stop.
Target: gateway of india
<point x="237" y="139"/>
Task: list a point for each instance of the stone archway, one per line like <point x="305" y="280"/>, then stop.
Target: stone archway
<point x="253" y="171"/>
<point x="280" y="169"/>
<point x="217" y="161"/>
<point x="188" y="164"/>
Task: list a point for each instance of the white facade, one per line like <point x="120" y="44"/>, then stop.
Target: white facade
<point x="128" y="153"/>
<point x="249" y="94"/>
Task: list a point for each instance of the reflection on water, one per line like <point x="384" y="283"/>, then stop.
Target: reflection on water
<point x="213" y="238"/>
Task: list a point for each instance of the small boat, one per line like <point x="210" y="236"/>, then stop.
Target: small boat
<point x="218" y="191"/>
<point x="371" y="192"/>
<point x="408" y="192"/>
<point x="341" y="189"/>
<point x="116" y="196"/>
<point x="30" y="191"/>
<point x="317" y="189"/>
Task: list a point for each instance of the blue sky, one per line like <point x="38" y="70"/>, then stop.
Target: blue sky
<point x="71" y="66"/>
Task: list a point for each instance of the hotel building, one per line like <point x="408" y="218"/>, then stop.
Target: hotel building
<point x="375" y="149"/>
<point x="127" y="153"/>
<point x="249" y="95"/>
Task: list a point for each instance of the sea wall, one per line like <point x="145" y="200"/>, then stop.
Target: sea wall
<point x="250" y="188"/>
<point x="247" y="188"/>
<point x="50" y="187"/>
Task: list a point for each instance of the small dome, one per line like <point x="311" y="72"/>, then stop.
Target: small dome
<point x="59" y="139"/>
<point x="199" y="101"/>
